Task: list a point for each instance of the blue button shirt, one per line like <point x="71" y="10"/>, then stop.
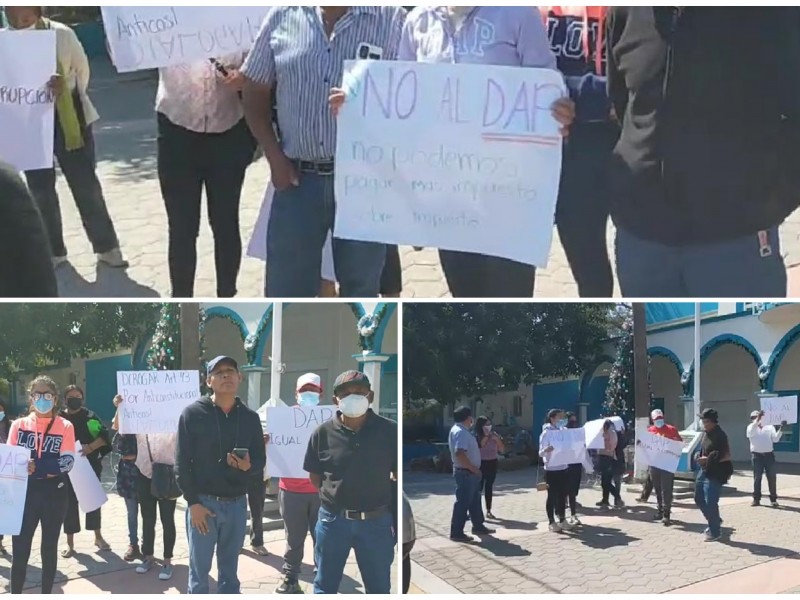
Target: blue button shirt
<point x="462" y="439"/>
<point x="293" y="51"/>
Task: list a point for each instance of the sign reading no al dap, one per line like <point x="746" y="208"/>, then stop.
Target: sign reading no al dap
<point x="457" y="157"/>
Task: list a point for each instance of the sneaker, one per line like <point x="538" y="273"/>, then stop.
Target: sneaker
<point x="712" y="538"/>
<point x="462" y="539"/>
<point x="483" y="531"/>
<point x="641" y="500"/>
<point x="566" y="526"/>
<point x="619" y="504"/>
<point x="667" y="521"/>
<point x="166" y="572"/>
<point x="132" y="554"/>
<point x="603" y="505"/>
<point x="775" y="505"/>
<point x="259" y="550"/>
<point x="59" y="261"/>
<point x="555" y="528"/>
<point x="659" y="516"/>
<point x="114" y="259"/>
<point x="576" y="522"/>
<point x="145" y="567"/>
<point x="289" y="585"/>
<point x="490" y="515"/>
<point x="755" y="503"/>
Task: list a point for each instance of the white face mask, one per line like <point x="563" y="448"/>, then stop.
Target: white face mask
<point x="487" y="429"/>
<point x="354" y="406"/>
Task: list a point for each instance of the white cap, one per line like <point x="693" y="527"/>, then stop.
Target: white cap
<point x="657" y="414"/>
<point x="755" y="414"/>
<point x="309" y="379"/>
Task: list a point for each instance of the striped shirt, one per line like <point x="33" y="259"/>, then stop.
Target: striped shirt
<point x="293" y="51"/>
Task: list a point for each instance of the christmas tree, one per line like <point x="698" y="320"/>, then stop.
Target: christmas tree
<point x="621" y="392"/>
<point x="165" y="349"/>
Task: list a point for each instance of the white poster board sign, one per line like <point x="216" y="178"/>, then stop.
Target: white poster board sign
<point x="154" y="400"/>
<point x="659" y="452"/>
<point x="27" y="105"/>
<point x="450" y="156"/>
<point x="149" y="37"/>
<point x="290" y="430"/>
<point x="569" y="447"/>
<point x="13" y="487"/>
<point x="594" y="431"/>
<point x="779" y="410"/>
<point x="88" y="489"/>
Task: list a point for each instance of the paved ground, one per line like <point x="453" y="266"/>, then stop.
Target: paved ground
<point x="126" y="154"/>
<point x="758" y="556"/>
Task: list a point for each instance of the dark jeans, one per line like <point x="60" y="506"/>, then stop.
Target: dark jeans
<point x="46" y="503"/>
<point x="468" y="503"/>
<point x="132" y="508"/>
<point x="574" y="487"/>
<point x="706" y="496"/>
<point x="664" y="484"/>
<point x="226" y="530"/>
<point x="373" y="541"/>
<point x="72" y="521"/>
<point x="298" y="228"/>
<point x="256" y="496"/>
<point x="557" y="492"/>
<point x="187" y="163"/>
<point x="607" y="473"/>
<point x="765" y="463"/>
<point x="392" y="277"/>
<point x="300" y="513"/>
<point x="78" y="168"/>
<point x="477" y="276"/>
<point x="489" y="472"/>
<point x="166" y="508"/>
<point x="584" y="206"/>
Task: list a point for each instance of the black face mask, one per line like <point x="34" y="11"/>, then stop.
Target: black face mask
<point x="74" y="403"/>
<point x="572" y="425"/>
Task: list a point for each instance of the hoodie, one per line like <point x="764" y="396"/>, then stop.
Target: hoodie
<point x="543" y="445"/>
<point x="709" y="102"/>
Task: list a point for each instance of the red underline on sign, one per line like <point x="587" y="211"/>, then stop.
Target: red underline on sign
<point x="521" y="139"/>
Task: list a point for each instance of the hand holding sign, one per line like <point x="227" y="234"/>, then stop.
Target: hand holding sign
<point x="657" y="451"/>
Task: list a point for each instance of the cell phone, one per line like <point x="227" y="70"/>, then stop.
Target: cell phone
<point x="369" y="52"/>
<point x="240" y="453"/>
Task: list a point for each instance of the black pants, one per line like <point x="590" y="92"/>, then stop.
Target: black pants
<point x="256" y="496"/>
<point x="607" y="471"/>
<point x="647" y="490"/>
<point x="584" y="207"/>
<point x="557" y="491"/>
<point x="46" y="503"/>
<point x="392" y="278"/>
<point x="574" y="487"/>
<point x="489" y="472"/>
<point x="188" y="162"/>
<point x="72" y="522"/>
<point x="476" y="276"/>
<point x="166" y="509"/>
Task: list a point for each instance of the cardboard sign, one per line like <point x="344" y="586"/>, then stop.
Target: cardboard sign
<point x="659" y="452"/>
<point x="154" y="400"/>
<point x="569" y="447"/>
<point x="13" y="487"/>
<point x="290" y="430"/>
<point x="779" y="410"/>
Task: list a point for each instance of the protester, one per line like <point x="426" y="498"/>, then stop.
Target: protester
<point x="716" y="470"/>
<point x="663" y="481"/>
<point x="220" y="451"/>
<point x="575" y="477"/>
<point x="577" y="37"/>
<point x="74" y="145"/>
<point x="352" y="460"/>
<point x="466" y="455"/>
<point x="95" y="445"/>
<point x="256" y="497"/>
<point x="762" y="446"/>
<point x="697" y="202"/>
<point x="620" y="459"/>
<point x="647" y="490"/>
<point x="299" y="500"/>
<point x="203" y="143"/>
<point x="492" y="446"/>
<point x="5" y="428"/>
<point x="51" y="440"/>
<point x="557" y="477"/>
<point x="127" y="483"/>
<point x="606" y="464"/>
<point x="26" y="269"/>
<point x="302" y="161"/>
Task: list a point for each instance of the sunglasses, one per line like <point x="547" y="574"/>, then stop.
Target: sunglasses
<point x="36" y="396"/>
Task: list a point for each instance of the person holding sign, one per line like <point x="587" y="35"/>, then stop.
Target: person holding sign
<point x="51" y="440"/>
<point x="762" y="446"/>
<point x="716" y="470"/>
<point x="557" y="477"/>
<point x="607" y="466"/>
<point x="74" y="145"/>
<point x="663" y="481"/>
<point x="492" y="446"/>
<point x="220" y="451"/>
<point x="305" y="66"/>
<point x="352" y="460"/>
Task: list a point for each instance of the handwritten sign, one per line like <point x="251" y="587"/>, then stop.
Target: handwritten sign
<point x="88" y="489"/>
<point x="569" y="447"/>
<point x="149" y="37"/>
<point x="779" y="410"/>
<point x="290" y="430"/>
<point x="657" y="451"/>
<point x="13" y="487"/>
<point x="27" y="105"/>
<point x="457" y="157"/>
<point x="154" y="400"/>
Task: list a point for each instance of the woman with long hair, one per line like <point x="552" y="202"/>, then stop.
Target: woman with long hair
<point x="491" y="445"/>
<point x="557" y="477"/>
<point x="575" y="476"/>
<point x="607" y="464"/>
<point x="51" y="440"/>
<point x="128" y="483"/>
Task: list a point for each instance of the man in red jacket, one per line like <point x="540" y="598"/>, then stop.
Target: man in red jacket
<point x="663" y="481"/>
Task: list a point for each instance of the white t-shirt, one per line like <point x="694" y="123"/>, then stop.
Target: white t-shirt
<point x="763" y="439"/>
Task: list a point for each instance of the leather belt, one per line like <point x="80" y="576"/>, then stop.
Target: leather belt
<point x="325" y="168"/>
<point x="354" y="515"/>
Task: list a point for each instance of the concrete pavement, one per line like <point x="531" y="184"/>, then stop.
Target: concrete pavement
<point x="615" y="552"/>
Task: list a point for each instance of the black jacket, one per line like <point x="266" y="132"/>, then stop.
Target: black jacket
<point x="709" y="101"/>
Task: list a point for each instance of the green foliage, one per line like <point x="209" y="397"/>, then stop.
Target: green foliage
<point x="73" y="15"/>
<point x="453" y="351"/>
<point x="621" y="391"/>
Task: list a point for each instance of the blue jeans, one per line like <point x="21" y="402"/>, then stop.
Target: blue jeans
<point x="725" y="270"/>
<point x="706" y="496"/>
<point x="132" y="506"/>
<point x="765" y="463"/>
<point x="373" y="541"/>
<point x="468" y="503"/>
<point x="226" y="531"/>
<point x="298" y="228"/>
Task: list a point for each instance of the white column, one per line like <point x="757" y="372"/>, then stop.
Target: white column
<point x="255" y="384"/>
<point x="583" y="414"/>
<point x="276" y="362"/>
<point x="689" y="412"/>
<point x="373" y="368"/>
<point x="698" y="367"/>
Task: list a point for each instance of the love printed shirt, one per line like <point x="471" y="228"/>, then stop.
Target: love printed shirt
<point x="51" y="442"/>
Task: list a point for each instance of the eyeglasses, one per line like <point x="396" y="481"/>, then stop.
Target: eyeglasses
<point x="36" y="396"/>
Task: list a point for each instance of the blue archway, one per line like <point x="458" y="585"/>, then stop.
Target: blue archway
<point x="777" y="356"/>
<point x="726" y="339"/>
<point x="669" y="355"/>
<point x="223" y="312"/>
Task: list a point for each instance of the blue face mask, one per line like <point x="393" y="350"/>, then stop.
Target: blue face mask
<point x="660" y="423"/>
<point x="561" y="424"/>
<point x="2" y="415"/>
<point x="309" y="399"/>
<point x="43" y="406"/>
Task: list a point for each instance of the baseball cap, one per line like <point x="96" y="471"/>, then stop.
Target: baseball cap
<point x="755" y="414"/>
<point x="215" y="362"/>
<point x="309" y="380"/>
<point x="710" y="415"/>
<point x="657" y="414"/>
<point x="351" y="377"/>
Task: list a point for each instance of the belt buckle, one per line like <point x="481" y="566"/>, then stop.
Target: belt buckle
<point x="352" y="515"/>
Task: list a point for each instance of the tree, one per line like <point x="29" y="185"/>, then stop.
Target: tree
<point x="631" y="366"/>
<point x="453" y="351"/>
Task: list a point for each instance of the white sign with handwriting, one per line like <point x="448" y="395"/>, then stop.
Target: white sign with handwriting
<point x="569" y="447"/>
<point x="13" y="487"/>
<point x="290" y="430"/>
<point x="779" y="410"/>
<point x="154" y="400"/>
<point x="657" y="451"/>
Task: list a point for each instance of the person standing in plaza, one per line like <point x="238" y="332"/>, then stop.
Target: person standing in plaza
<point x="575" y="476"/>
<point x="302" y="50"/>
<point x="607" y="464"/>
<point x="663" y="481"/>
<point x="203" y="143"/>
<point x="74" y="145"/>
<point x="5" y="429"/>
<point x="466" y="456"/>
<point x="556" y="477"/>
<point x="220" y="451"/>
<point x="492" y="446"/>
<point x="762" y="446"/>
<point x="716" y="470"/>
<point x="51" y="440"/>
<point x="127" y="482"/>
<point x="352" y="460"/>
